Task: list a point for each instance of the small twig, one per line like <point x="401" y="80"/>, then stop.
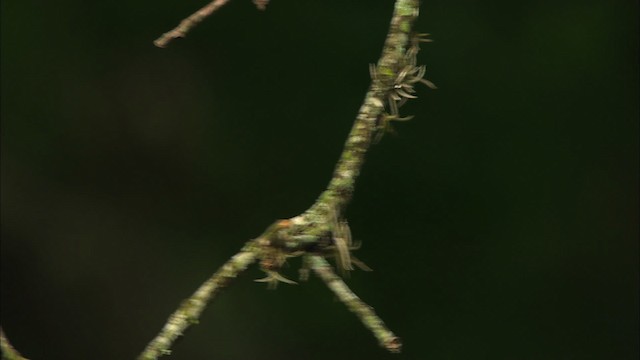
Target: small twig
<point x="386" y="337"/>
<point x="185" y="25"/>
<point x="8" y="352"/>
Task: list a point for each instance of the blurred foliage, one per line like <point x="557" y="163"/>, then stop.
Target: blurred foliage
<point x="502" y="222"/>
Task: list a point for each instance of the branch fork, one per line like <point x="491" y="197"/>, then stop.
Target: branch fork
<point x="321" y="232"/>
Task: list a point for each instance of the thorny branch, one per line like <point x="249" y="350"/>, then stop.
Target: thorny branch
<point x="321" y="231"/>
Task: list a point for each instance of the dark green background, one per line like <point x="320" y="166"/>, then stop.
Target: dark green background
<point x="502" y="222"/>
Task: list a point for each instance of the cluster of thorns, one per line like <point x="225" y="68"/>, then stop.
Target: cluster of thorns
<point x="403" y="87"/>
<point x="338" y="245"/>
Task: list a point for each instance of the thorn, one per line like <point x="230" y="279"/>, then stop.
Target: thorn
<point x="405" y="94"/>
<point x="429" y="84"/>
<point x="360" y="264"/>
<point x="397" y="118"/>
<point x="273" y="278"/>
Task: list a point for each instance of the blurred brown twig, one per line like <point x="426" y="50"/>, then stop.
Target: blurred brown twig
<point x="194" y="19"/>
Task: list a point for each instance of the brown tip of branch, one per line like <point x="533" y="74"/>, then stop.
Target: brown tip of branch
<point x="166" y="38"/>
<point x="161" y="43"/>
<point x="394" y="345"/>
<point x="261" y="4"/>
